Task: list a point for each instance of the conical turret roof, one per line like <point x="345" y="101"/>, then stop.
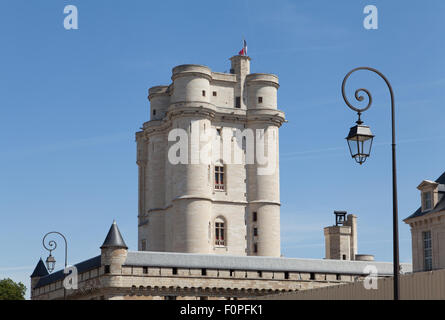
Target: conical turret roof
<point x="114" y="238"/>
<point x="40" y="270"/>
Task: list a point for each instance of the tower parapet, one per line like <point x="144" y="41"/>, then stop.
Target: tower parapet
<point x="191" y="83"/>
<point x="262" y="91"/>
<point x="159" y="102"/>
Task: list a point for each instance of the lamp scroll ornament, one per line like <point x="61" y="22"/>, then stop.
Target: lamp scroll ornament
<point x="360" y="143"/>
<point x="51" y="245"/>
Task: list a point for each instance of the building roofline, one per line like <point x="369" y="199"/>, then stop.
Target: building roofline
<point x="83" y="266"/>
<point x="228" y="262"/>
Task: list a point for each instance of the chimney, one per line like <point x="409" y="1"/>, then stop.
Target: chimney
<point x="338" y="238"/>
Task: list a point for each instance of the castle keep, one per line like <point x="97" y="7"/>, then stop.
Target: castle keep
<point x="209" y="221"/>
<point x="222" y="206"/>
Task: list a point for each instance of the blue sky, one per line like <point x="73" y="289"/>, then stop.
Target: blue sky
<point x="71" y="101"/>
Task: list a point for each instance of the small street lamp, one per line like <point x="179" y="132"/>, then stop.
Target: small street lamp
<point x="51" y="261"/>
<point x="360" y="140"/>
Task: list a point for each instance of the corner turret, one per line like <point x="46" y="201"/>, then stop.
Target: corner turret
<point x="113" y="251"/>
<point x="39" y="272"/>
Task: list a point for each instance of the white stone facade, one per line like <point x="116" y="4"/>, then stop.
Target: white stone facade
<point x="179" y="206"/>
<point x="428" y="227"/>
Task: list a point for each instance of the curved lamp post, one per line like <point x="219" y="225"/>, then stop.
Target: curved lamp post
<point x="360" y="142"/>
<point x="51" y="246"/>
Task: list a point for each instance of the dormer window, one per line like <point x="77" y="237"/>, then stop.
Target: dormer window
<point x="428" y="194"/>
<point x="427" y="198"/>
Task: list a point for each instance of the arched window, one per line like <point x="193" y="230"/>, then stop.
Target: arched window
<point x="220" y="232"/>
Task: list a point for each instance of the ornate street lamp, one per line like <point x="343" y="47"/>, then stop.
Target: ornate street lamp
<point x="50" y="261"/>
<point x="360" y="143"/>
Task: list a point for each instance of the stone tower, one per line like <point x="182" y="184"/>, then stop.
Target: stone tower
<point x="341" y="239"/>
<point x="113" y="251"/>
<point x="222" y="195"/>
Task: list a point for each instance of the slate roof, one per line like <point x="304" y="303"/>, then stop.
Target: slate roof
<point x="441" y="179"/>
<point x="440" y="206"/>
<point x="83" y="266"/>
<point x="114" y="238"/>
<point x="227" y="262"/>
<point x="40" y="270"/>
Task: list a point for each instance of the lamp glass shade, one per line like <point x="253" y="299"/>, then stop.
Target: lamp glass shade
<point x="50" y="263"/>
<point x="360" y="140"/>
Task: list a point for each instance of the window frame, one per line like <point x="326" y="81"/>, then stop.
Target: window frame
<point x="219" y="177"/>
<point x="220" y="229"/>
<point x="427" y="241"/>
<point x="427" y="197"/>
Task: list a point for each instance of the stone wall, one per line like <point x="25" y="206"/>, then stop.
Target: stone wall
<point x="187" y="283"/>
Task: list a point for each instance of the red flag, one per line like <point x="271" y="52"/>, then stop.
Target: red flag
<point x="243" y="51"/>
